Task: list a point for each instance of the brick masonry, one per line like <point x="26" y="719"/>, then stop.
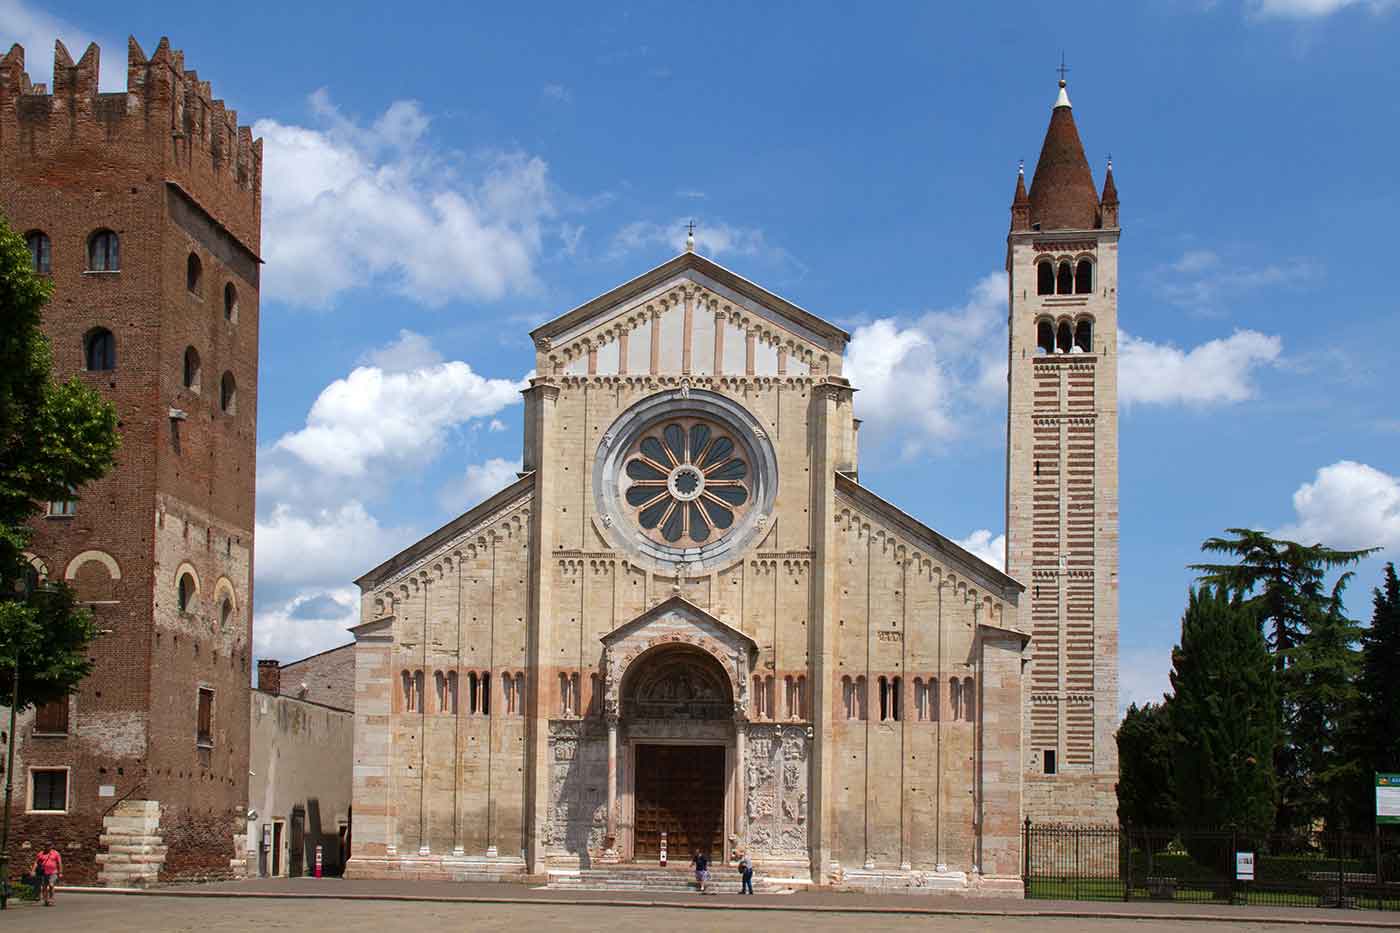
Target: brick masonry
<point x="168" y="168"/>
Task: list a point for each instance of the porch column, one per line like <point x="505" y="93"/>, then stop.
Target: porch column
<point x="610" y="843"/>
<point x="741" y="784"/>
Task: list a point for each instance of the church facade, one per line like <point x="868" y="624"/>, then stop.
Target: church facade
<point x="688" y="626"/>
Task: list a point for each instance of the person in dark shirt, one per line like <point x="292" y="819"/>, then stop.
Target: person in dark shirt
<point x="701" y="861"/>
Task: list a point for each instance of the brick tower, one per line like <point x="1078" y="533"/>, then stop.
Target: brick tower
<point x="1062" y="473"/>
<point x="144" y="207"/>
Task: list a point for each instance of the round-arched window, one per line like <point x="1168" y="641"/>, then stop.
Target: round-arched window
<point x="230" y="302"/>
<point x="186" y="592"/>
<point x="194" y="275"/>
<point x="191" y="374"/>
<point x="228" y="394"/>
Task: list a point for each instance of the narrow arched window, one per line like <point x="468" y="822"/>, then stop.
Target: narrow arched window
<point x="1045" y="278"/>
<point x="969" y="700"/>
<point x="452" y="692"/>
<point x="104" y="252"/>
<point x="419" y="703"/>
<point x="896" y="695"/>
<point x="40" y="251"/>
<point x="955" y="698"/>
<point x="228" y="394"/>
<point x="934" y="713"/>
<point x="194" y="275"/>
<point x="99" y="350"/>
<point x="802" y="698"/>
<point x="471" y="692"/>
<point x="861" y="698"/>
<point x="848" y="697"/>
<point x="1064" y="280"/>
<point x="1063" y="337"/>
<point x="884" y="699"/>
<point x="1045" y="337"/>
<point x="407" y="679"/>
<point x="757" y="697"/>
<point x="1084" y="336"/>
<point x="230" y="302"/>
<point x="191" y="378"/>
<point x="225" y="612"/>
<point x="440" y="685"/>
<point x="520" y="694"/>
<point x="185" y="592"/>
<point x="486" y="694"/>
<point x="1083" y="277"/>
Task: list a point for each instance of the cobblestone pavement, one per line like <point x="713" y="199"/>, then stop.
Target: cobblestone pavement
<point x="102" y="913"/>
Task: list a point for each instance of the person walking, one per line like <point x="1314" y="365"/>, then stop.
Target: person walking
<point x="701" y="861"/>
<point x="746" y="874"/>
<point x="48" y="866"/>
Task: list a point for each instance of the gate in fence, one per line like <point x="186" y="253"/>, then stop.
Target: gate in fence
<point x="1127" y="863"/>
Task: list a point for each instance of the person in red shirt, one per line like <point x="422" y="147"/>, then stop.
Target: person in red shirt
<point x="48" y="865"/>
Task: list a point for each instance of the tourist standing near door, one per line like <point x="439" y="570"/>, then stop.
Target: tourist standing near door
<point x="701" y="861"/>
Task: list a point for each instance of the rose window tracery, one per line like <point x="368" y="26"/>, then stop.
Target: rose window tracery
<point x="687" y="481"/>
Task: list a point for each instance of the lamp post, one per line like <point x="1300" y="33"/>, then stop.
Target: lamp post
<point x="22" y="594"/>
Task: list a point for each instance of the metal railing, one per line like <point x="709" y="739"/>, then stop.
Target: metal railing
<point x="1223" y="866"/>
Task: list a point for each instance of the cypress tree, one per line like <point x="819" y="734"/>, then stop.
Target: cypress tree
<point x="1145" y="798"/>
<point x="1224" y="718"/>
<point x="1377" y="722"/>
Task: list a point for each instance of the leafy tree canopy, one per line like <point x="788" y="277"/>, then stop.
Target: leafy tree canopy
<point x="53" y="439"/>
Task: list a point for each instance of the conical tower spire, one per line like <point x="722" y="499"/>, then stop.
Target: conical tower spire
<point x="1062" y="191"/>
<point x="1021" y="202"/>
<point x="1108" y="204"/>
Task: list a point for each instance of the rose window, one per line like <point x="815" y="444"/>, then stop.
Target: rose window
<point x="687" y="481"/>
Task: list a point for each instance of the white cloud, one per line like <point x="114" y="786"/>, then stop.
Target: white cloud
<point x="1143" y="676"/>
<point x="36" y="30"/>
<point x="347" y="205"/>
<point x="496" y="425"/>
<point x="1314" y="9"/>
<point x="1218" y="370"/>
<point x="411" y="351"/>
<point x="712" y="238"/>
<point x="310" y="622"/>
<point x="1201" y="278"/>
<point x="983" y="545"/>
<point x="1347" y="505"/>
<point x="480" y="481"/>
<point x="322" y="547"/>
<point x="917" y="381"/>
<point x="387" y="415"/>
<point x="557" y="93"/>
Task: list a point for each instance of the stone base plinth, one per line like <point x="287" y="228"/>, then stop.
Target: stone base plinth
<point x="133" y="850"/>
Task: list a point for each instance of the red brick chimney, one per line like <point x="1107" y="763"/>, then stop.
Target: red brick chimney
<point x="270" y="677"/>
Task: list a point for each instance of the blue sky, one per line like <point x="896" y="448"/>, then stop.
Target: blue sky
<point x="438" y="180"/>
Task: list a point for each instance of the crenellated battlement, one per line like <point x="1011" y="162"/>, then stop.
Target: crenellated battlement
<point x="166" y="114"/>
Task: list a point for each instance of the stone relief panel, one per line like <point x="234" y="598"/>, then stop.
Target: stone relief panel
<point x="777" y="788"/>
<point x="578" y="788"/>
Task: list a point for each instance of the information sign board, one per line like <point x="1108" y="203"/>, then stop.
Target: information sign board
<point x="1387" y="798"/>
<point x="1244" y="866"/>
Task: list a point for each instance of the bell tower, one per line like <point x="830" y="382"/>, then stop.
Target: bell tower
<point x="1062" y="472"/>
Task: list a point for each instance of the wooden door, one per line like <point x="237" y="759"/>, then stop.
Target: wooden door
<point x="679" y="791"/>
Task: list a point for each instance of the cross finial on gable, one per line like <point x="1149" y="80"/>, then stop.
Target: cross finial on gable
<point x="690" y="237"/>
<point x="1063" y="69"/>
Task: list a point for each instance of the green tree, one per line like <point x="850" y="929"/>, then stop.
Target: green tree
<point x="53" y="439"/>
<point x="1320" y="680"/>
<point x="1284" y="582"/>
<point x="1376" y="726"/>
<point x="1224" y="717"/>
<point x="1145" y="766"/>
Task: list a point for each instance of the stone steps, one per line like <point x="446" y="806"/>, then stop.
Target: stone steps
<point x="655" y="879"/>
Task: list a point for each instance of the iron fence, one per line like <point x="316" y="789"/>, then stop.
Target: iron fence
<point x="1223" y="866"/>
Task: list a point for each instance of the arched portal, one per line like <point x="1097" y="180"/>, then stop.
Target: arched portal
<point x="677" y="716"/>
